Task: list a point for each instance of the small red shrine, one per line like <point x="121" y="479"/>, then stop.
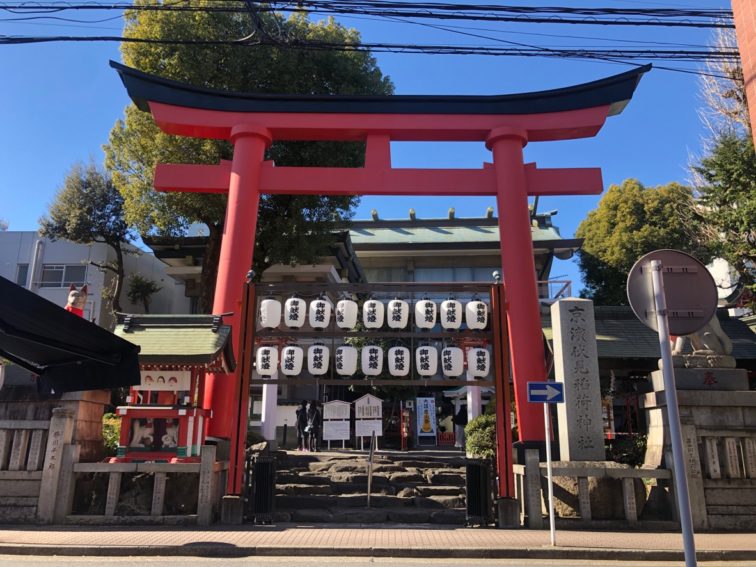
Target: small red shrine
<point x="164" y="420"/>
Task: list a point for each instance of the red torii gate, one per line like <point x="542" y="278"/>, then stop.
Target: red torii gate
<point x="505" y="123"/>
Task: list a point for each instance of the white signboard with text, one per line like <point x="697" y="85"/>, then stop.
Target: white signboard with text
<point x="366" y="427"/>
<point x="337" y="410"/>
<point x="336" y="430"/>
<point x="368" y="407"/>
<point x="336" y="415"/>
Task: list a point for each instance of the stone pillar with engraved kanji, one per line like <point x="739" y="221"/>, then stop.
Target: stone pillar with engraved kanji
<point x="581" y="434"/>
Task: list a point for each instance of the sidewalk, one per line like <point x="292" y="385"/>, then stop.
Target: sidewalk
<point x="399" y="541"/>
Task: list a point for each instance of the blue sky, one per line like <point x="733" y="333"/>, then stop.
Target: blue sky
<point x="59" y="101"/>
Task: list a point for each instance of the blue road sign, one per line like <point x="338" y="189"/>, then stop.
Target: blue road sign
<point x="546" y="392"/>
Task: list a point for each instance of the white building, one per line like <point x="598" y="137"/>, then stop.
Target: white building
<point x="48" y="268"/>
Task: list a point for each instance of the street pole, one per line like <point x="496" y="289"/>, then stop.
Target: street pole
<point x="547" y="429"/>
<point x="673" y="413"/>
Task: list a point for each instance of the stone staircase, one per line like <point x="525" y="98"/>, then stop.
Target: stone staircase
<point x="407" y="488"/>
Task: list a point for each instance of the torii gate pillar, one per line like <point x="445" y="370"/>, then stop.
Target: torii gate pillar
<point x="523" y="312"/>
<point x="237" y="249"/>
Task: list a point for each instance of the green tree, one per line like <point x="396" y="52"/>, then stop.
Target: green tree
<point x="727" y="202"/>
<point x="630" y="221"/>
<point x="291" y="229"/>
<point x="141" y="290"/>
<point x="725" y="177"/>
<point x="88" y="208"/>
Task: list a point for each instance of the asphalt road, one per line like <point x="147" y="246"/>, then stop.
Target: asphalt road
<point x="35" y="561"/>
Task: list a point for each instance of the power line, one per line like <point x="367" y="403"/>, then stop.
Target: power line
<point x="422" y="10"/>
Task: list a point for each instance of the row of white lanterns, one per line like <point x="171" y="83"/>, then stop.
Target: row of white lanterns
<point x="372" y="359"/>
<point x="396" y="313"/>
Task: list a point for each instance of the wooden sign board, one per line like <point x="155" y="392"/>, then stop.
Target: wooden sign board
<point x="368" y="407"/>
<point x="336" y="410"/>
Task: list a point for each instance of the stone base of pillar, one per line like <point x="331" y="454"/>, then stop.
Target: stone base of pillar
<point x="232" y="510"/>
<point x="507" y="513"/>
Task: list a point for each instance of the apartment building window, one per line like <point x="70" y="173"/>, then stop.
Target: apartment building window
<point x="63" y="275"/>
<point x="22" y="274"/>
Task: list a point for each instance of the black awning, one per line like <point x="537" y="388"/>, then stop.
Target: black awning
<point x="66" y="351"/>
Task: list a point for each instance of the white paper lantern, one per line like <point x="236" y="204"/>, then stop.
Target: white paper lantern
<point x="398" y="314"/>
<point x="320" y="313"/>
<point x="291" y="360"/>
<point x="478" y="362"/>
<point x="399" y="361"/>
<point x="270" y="313"/>
<point x="266" y="360"/>
<point x="426" y="360"/>
<point x="372" y="360"/>
<point x="451" y="314"/>
<point x="476" y="315"/>
<point x="317" y="359"/>
<point x="452" y="362"/>
<point x="346" y="314"/>
<point x="294" y="312"/>
<point x="346" y="360"/>
<point x="425" y="314"/>
<point x="372" y="314"/>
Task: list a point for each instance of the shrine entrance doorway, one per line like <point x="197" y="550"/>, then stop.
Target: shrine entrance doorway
<point x="409" y="337"/>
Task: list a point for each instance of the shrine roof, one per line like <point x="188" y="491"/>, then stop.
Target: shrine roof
<point x="178" y="339"/>
<point x="456" y="233"/>
<point x="615" y="92"/>
<point x="621" y="335"/>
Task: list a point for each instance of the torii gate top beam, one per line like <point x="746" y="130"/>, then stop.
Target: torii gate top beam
<point x="573" y="112"/>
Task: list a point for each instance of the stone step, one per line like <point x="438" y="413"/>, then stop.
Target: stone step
<point x="361" y="488"/>
<point x="303" y="489"/>
<point x="439" y="502"/>
<point x="322" y="501"/>
<point x="430" y="463"/>
<point x="446" y="479"/>
<point x="440" y="490"/>
<point x="372" y="516"/>
<point x="288" y="478"/>
<point x="357" y="478"/>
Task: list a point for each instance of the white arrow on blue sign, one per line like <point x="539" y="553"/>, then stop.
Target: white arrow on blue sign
<point x="546" y="392"/>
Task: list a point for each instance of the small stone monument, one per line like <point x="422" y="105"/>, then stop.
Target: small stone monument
<point x="581" y="434"/>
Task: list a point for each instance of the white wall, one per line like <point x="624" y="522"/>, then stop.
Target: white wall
<point x="18" y="248"/>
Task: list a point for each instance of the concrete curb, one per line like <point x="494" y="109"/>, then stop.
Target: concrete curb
<point x="231" y="551"/>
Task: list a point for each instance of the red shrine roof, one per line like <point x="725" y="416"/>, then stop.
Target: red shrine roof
<point x="615" y="92"/>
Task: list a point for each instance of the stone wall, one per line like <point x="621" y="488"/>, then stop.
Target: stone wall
<point x="719" y="439"/>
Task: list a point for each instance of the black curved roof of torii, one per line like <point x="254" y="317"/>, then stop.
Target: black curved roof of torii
<point x="615" y="91"/>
